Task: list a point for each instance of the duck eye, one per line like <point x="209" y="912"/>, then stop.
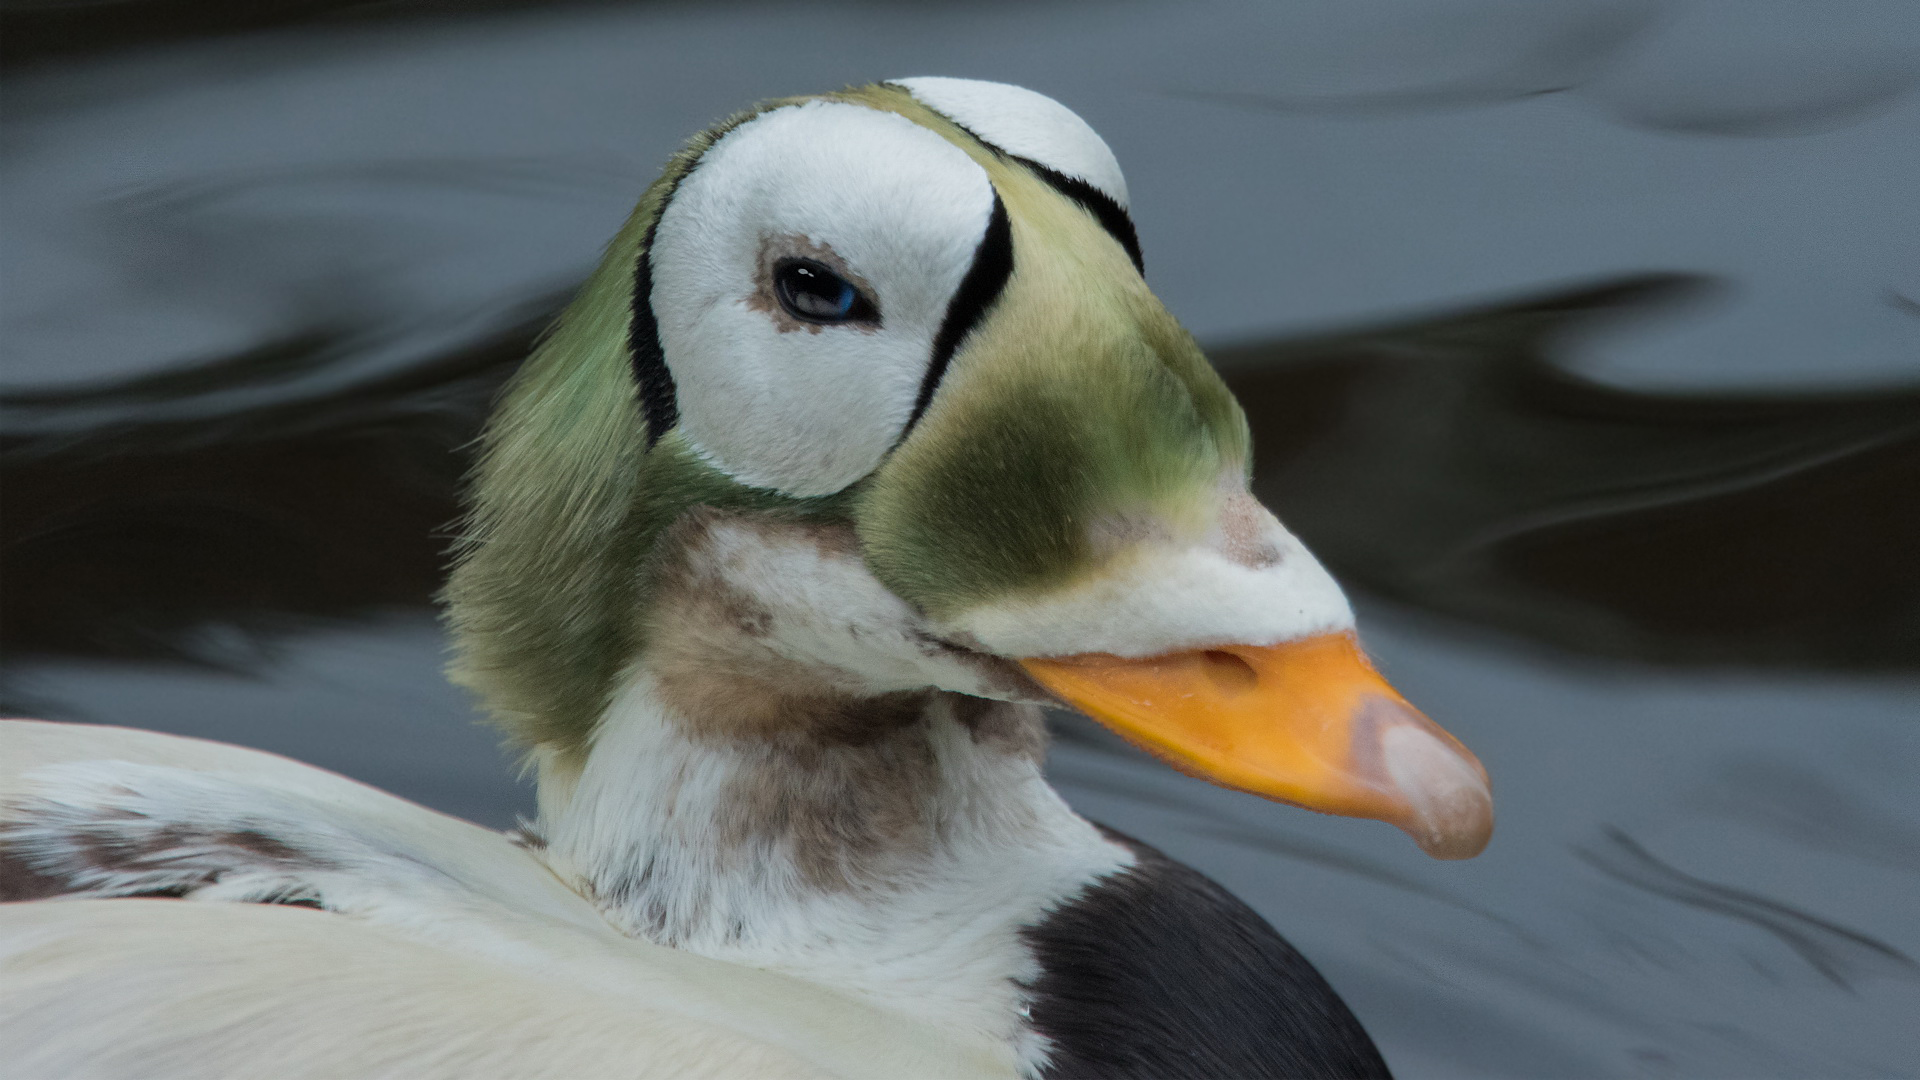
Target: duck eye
<point x="813" y="293"/>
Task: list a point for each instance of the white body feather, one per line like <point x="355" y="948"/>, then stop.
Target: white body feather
<point x="460" y="954"/>
<point x="937" y="939"/>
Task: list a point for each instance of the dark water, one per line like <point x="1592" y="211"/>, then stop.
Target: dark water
<point x="1582" y="340"/>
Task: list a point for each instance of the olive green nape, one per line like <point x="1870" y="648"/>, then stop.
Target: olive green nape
<point x="566" y="502"/>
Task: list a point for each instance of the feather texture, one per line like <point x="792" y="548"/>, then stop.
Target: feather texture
<point x="463" y="955"/>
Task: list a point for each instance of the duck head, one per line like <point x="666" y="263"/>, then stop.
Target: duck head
<point x="869" y="400"/>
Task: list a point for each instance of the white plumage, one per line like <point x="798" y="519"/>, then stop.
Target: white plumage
<point x="465" y="957"/>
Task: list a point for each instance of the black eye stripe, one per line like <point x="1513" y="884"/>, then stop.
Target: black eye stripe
<point x="653" y="381"/>
<point x="985" y="280"/>
<point x="659" y="400"/>
<point x="659" y="404"/>
<point x="1110" y="214"/>
<point x="1113" y="218"/>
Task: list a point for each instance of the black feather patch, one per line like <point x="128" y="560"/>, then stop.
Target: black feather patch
<point x="659" y="405"/>
<point x="1110" y="214"/>
<point x="1159" y="972"/>
<point x="986" y="278"/>
<point x="659" y="402"/>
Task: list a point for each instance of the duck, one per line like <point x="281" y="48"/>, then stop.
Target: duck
<point x="865" y="445"/>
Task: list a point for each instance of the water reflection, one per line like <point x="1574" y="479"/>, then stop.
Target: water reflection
<point x="1789" y="800"/>
<point x="130" y="541"/>
<point x="42" y="32"/>
<point x="1453" y="464"/>
<point x="1843" y="955"/>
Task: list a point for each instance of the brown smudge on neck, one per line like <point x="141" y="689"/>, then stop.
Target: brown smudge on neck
<point x="845" y="813"/>
<point x="710" y="654"/>
<point x="842" y="779"/>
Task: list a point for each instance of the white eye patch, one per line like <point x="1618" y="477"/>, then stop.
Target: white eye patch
<point x="782" y="402"/>
<point x="1024" y="124"/>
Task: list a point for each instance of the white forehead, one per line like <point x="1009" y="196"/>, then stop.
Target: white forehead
<point x="1026" y="124"/>
<point x="809" y="411"/>
<point x="833" y="165"/>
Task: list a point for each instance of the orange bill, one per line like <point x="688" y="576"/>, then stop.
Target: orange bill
<point x="1308" y="722"/>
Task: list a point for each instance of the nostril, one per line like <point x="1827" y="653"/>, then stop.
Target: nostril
<point x="1228" y="672"/>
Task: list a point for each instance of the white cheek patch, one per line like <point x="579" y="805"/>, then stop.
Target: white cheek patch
<point x="826" y="611"/>
<point x="1025" y="124"/>
<point x="808" y="412"/>
<point x="1161" y="596"/>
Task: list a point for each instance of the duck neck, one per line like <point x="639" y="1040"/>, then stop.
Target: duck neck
<point x="893" y="846"/>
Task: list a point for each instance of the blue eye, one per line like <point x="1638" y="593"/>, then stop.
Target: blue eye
<point x="811" y="292"/>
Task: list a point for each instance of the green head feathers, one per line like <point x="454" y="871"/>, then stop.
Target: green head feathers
<point x="1071" y="402"/>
